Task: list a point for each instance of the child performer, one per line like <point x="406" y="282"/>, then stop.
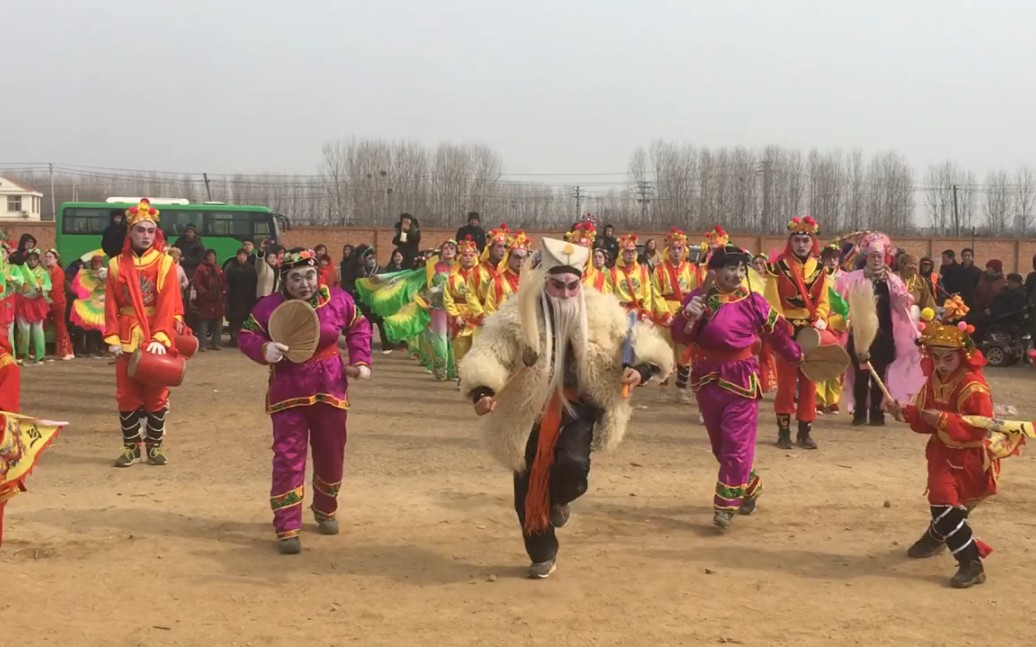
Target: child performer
<point x="962" y="471"/>
<point x="725" y="324"/>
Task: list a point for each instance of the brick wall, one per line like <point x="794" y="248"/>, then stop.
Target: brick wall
<point x="1016" y="254"/>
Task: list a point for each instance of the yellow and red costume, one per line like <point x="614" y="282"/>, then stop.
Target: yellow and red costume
<point x="632" y="285"/>
<point x="797" y="289"/>
<point x="482" y="275"/>
<point x="674" y="279"/>
<point x="506" y="281"/>
<point x="963" y="467"/>
<point x="455" y="301"/>
<point x="584" y="234"/>
<point x="142" y="303"/>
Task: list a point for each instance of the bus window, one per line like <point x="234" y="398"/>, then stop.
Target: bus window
<point x="85" y="221"/>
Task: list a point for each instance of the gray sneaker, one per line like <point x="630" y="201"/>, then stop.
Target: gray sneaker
<point x="327" y="526"/>
<point x="289" y="546"/>
<point x="723" y="519"/>
<point x="542" y="570"/>
<point x="155" y="456"/>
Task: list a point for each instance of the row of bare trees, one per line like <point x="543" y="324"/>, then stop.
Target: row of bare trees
<point x="371" y="181"/>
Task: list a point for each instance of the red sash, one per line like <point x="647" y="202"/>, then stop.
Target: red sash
<point x="675" y="281"/>
<point x="800" y="284"/>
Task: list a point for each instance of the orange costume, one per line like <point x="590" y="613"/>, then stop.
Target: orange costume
<point x="963" y="468"/>
<point x="797" y="290"/>
<point x="505" y="283"/>
<point x="482" y="276"/>
<point x="142" y="304"/>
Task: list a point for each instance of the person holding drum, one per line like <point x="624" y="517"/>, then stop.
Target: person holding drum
<point x="141" y="310"/>
<point x="295" y="333"/>
<point x="724" y="322"/>
<point x="797" y="290"/>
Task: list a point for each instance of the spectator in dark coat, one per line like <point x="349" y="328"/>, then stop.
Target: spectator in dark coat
<point x="989" y="284"/>
<point x="473" y="229"/>
<point x="193" y="250"/>
<point x="25" y="243"/>
<point x="114" y="234"/>
<point x="407" y="238"/>
<point x="211" y="295"/>
<point x="241" y="279"/>
<point x="950" y="272"/>
<point x="609" y="243"/>
<point x="396" y="263"/>
<point x="1030" y="283"/>
<point x="968" y="277"/>
<point x="1010" y="303"/>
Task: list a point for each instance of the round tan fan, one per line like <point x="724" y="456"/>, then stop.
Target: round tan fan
<point x="295" y="324"/>
<point x="808" y="339"/>
<point x="823" y="363"/>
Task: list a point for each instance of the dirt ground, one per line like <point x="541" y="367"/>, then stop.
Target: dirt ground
<point x="431" y="554"/>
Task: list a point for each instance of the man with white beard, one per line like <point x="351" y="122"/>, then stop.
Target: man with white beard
<point x="547" y="399"/>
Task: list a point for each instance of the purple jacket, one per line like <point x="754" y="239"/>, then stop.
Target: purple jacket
<point x="322" y="378"/>
<point x="731" y="323"/>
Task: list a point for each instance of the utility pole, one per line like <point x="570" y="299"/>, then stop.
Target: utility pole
<point x="53" y="200"/>
<point x="579" y="195"/>
<point x="956" y="216"/>
<point x="646" y="191"/>
<point x="208" y="189"/>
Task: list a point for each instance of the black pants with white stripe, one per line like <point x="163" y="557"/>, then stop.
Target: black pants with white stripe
<point x="950" y="526"/>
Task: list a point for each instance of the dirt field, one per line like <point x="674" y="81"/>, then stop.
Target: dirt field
<point x="430" y="552"/>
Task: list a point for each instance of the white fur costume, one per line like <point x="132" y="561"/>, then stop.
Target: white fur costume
<point x="496" y="354"/>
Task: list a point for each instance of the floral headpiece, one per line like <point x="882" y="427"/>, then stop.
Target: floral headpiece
<point x="803" y="225"/>
<point x="35" y="251"/>
<point x="716" y="237"/>
<point x="499" y="234"/>
<point x="140" y="213"/>
<point x="584" y="233"/>
<point x="467" y="245"/>
<point x="874" y="241"/>
<point x="948" y="329"/>
<point x="628" y="241"/>
<point x="520" y="241"/>
<point x="302" y="258"/>
<point x="675" y="235"/>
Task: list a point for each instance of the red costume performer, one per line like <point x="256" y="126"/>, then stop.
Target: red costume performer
<point x="962" y="470"/>
<point x="797" y="289"/>
<point x="141" y="303"/>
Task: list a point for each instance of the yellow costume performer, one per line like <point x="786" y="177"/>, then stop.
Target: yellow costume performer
<point x="505" y="283"/>
<point x="633" y="286"/>
<point x="674" y="279"/>
<point x="598" y="278"/>
<point x="481" y="277"/>
<point x="455" y="298"/>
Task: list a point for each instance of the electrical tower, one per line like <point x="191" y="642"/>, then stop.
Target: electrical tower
<point x="645" y="193"/>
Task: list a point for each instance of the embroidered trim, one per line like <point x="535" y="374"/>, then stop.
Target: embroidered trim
<point x="288" y="534"/>
<point x="251" y="325"/>
<point x="288" y="499"/>
<point x="322" y="516"/>
<point x="751" y="392"/>
<point x="316" y="398"/>
<point x="327" y="489"/>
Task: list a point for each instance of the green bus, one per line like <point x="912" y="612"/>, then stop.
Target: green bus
<point x="221" y="227"/>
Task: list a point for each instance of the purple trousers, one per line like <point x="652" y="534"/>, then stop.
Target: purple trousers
<point x="731" y="420"/>
<point x="323" y="427"/>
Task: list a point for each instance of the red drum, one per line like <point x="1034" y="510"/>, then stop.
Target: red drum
<point x="156" y="370"/>
<point x="186" y="344"/>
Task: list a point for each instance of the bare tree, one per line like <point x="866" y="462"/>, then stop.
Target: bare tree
<point x="1024" y="195"/>
<point x="998" y="204"/>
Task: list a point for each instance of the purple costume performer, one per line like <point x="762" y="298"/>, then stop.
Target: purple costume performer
<point x="725" y="380"/>
<point x="308" y="401"/>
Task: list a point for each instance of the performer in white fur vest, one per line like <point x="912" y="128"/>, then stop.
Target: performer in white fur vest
<point x="554" y="367"/>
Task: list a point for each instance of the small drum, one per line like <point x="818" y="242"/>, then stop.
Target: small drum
<point x="156" y="370"/>
<point x="810" y="338"/>
<point x="186" y="345"/>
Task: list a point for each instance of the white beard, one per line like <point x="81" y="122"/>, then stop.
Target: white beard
<point x="565" y="323"/>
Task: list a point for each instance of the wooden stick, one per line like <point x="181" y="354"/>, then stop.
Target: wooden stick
<point x="881" y="383"/>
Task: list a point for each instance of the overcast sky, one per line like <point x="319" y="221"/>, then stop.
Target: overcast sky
<point x="555" y="87"/>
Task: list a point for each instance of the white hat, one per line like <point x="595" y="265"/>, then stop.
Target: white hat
<point x="559" y="254"/>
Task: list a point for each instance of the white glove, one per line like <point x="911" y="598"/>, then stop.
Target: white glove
<point x="156" y="348"/>
<point x="365" y="372"/>
<point x="115" y="349"/>
<point x="274" y="352"/>
<point x="820" y="324"/>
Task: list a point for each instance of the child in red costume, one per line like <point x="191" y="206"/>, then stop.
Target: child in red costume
<point x="962" y="470"/>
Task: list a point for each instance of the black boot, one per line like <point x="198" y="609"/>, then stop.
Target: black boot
<point x="155" y="434"/>
<point x="784" y="431"/>
<point x="877" y="418"/>
<point x="969" y="568"/>
<point x="926" y="546"/>
<point x="859" y="417"/>
<point x="804" y="440"/>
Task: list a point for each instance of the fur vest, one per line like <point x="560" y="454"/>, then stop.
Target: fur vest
<point x="496" y="354"/>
